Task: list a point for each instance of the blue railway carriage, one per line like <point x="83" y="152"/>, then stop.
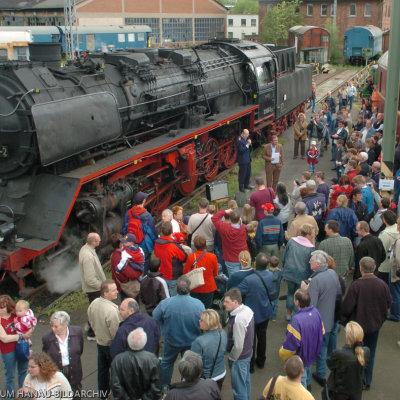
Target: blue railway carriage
<point x="91" y="38"/>
<point x="362" y="37"/>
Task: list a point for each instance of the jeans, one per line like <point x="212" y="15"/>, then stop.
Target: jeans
<point x="395" y="292"/>
<point x="274" y="308"/>
<point x="292" y="287"/>
<point x="371" y="341"/>
<point x="240" y="378"/>
<point x="10" y="363"/>
<point x="306" y="377"/>
<point x="312" y="104"/>
<point x="321" y="368"/>
<point x="103" y="370"/>
<point x="232" y="267"/>
<point x="311" y="168"/>
<point x="259" y="345"/>
<point x="351" y="99"/>
<point x="171" y="286"/>
<point x="332" y="344"/>
<point x="270" y="250"/>
<point x="333" y="151"/>
<point x="170" y="353"/>
<point x="339" y="171"/>
<point x="147" y="256"/>
<point x="205" y="298"/>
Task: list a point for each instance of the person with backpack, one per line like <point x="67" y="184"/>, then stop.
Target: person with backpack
<point x="140" y="223"/>
<point x="172" y="257"/>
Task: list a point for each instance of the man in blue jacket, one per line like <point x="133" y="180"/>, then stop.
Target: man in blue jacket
<point x="258" y="291"/>
<point x="270" y="233"/>
<point x="243" y="144"/>
<point x="179" y="319"/>
<point x="133" y="318"/>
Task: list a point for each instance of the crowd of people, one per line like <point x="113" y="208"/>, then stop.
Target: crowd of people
<point x="315" y="239"/>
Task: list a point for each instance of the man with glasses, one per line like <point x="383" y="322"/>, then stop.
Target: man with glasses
<point x="92" y="274"/>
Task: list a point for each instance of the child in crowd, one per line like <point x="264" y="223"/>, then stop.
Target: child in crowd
<point x="277" y="272"/>
<point x="132" y="255"/>
<point x="251" y="243"/>
<point x="180" y="239"/>
<point x="153" y="288"/>
<point x="312" y="156"/>
<point x="25" y="319"/>
<point x="247" y="214"/>
<point x="211" y="209"/>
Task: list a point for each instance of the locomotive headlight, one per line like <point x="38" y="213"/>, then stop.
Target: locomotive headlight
<point x="7" y="229"/>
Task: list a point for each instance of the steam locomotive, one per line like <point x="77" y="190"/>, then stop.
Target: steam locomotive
<point x="78" y="142"/>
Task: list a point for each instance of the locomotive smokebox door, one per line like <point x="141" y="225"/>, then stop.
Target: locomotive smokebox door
<point x="217" y="190"/>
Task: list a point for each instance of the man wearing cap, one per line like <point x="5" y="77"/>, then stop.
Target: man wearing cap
<point x="244" y="160"/>
<point x="270" y="234"/>
<point x="138" y="214"/>
<point x="273" y="156"/>
<point x="92" y="274"/>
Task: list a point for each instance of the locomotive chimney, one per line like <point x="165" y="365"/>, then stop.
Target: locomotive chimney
<point x="48" y="53"/>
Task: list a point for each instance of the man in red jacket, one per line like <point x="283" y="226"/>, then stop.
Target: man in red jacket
<point x="233" y="236"/>
<point x="171" y="255"/>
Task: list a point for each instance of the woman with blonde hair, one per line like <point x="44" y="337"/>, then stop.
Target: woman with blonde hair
<point x="345" y="216"/>
<point x="245" y="270"/>
<point x="247" y="214"/>
<point x="347" y="365"/>
<point x="211" y="346"/>
<point x="44" y="380"/>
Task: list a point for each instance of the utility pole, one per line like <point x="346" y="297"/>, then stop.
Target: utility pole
<point x="71" y="29"/>
<point x="392" y="94"/>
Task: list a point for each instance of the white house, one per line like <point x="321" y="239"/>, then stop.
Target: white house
<point x="240" y="25"/>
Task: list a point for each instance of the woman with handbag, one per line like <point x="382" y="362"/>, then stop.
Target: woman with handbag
<point x="208" y="261"/>
<point x="211" y="346"/>
<point x="347" y="366"/>
<point x="8" y="341"/>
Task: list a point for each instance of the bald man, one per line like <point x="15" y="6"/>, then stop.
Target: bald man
<point x="244" y="160"/>
<point x="92" y="274"/>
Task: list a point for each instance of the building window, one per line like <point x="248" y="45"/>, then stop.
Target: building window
<point x="367" y="10"/>
<point x="230" y="35"/>
<point x="324" y="10"/>
<point x="230" y="22"/>
<point x="177" y="29"/>
<point x="208" y="28"/>
<point x="333" y="10"/>
<point x="352" y="10"/>
<point x="243" y="22"/>
<point x="153" y="23"/>
<point x="309" y="10"/>
<point x="253" y="22"/>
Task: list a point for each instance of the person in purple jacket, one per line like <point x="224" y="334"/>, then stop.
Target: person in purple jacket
<point x="304" y="335"/>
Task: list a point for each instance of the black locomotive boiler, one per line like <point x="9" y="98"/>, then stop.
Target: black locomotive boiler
<point x="76" y="143"/>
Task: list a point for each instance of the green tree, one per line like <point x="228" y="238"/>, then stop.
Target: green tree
<point x="279" y="19"/>
<point x="335" y="50"/>
<point x="225" y="3"/>
<point x="245" y="7"/>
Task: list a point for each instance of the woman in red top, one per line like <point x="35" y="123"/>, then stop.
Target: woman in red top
<point x="204" y="293"/>
<point x="343" y="187"/>
<point x="8" y="339"/>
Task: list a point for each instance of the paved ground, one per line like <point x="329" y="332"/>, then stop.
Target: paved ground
<point x="384" y="385"/>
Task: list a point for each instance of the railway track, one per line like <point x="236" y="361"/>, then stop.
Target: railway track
<point x="41" y="297"/>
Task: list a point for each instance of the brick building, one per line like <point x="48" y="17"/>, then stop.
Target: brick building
<point x="349" y="13"/>
<point x="170" y="20"/>
<point x="184" y="21"/>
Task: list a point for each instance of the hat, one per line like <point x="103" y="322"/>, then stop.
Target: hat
<point x="140" y="196"/>
<point x="310" y="184"/>
<point x="130" y="237"/>
<point x="268" y="206"/>
<point x="178" y="237"/>
<point x="313" y="142"/>
<point x="334" y="180"/>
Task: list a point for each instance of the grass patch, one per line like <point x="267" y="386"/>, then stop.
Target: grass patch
<point x="76" y="301"/>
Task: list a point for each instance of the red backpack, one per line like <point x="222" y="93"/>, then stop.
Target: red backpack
<point x="135" y="227"/>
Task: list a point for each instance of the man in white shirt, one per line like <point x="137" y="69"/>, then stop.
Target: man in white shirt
<point x="168" y="215"/>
